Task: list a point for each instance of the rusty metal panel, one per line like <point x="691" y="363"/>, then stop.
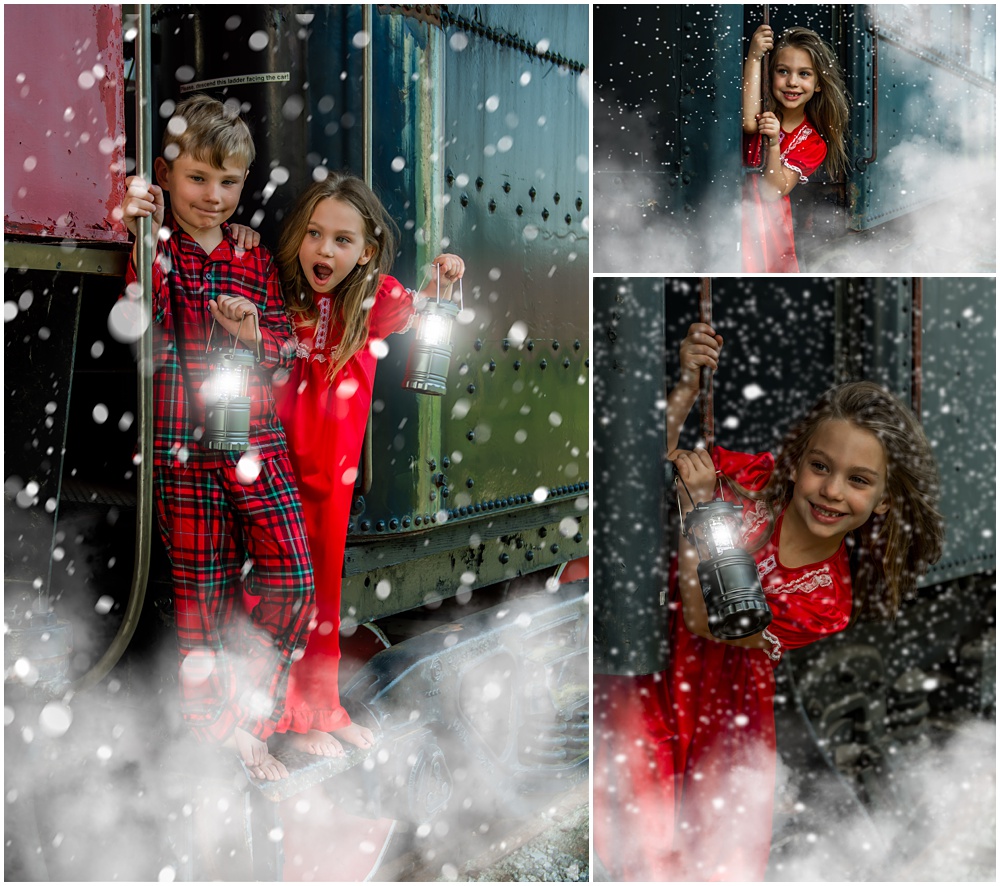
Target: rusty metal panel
<point x="64" y="121"/>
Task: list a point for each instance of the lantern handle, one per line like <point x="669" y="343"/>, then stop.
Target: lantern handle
<point x="236" y="341"/>
<point x="719" y="477"/>
<point x="461" y="294"/>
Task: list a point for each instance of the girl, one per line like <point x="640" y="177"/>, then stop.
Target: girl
<point x="808" y="124"/>
<point x="840" y="525"/>
<point x="335" y="248"/>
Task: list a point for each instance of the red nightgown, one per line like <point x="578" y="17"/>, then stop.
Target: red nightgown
<point x="768" y="240"/>
<point x="684" y="771"/>
<point x="325" y="427"/>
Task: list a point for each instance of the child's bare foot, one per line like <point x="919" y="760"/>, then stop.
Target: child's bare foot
<point x="256" y="757"/>
<point x="353" y="733"/>
<point x="315" y="742"/>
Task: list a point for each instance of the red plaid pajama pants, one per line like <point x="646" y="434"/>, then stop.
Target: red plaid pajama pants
<point x="224" y="538"/>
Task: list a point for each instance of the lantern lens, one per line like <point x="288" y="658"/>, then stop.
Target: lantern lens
<point x="430" y="354"/>
<point x="227" y="421"/>
<point x="734" y="598"/>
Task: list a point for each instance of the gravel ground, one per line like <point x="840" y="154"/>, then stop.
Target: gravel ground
<point x="555" y="848"/>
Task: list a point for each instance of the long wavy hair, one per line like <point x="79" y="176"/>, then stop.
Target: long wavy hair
<point x="828" y="109"/>
<point x="890" y="551"/>
<point x="355" y="294"/>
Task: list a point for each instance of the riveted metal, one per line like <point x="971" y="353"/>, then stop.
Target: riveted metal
<point x="520" y="209"/>
<point x="479" y="183"/>
<point x="471" y="388"/>
<point x="506" y="187"/>
<point x="545" y="214"/>
<point x="464" y="199"/>
<point x="531" y="193"/>
<point x="530" y="344"/>
<point x="479" y="344"/>
<point x="543" y="363"/>
<point x="579" y="204"/>
<point x="556" y="197"/>
<point x="492" y="205"/>
<point x="517" y="365"/>
<point x="555" y="344"/>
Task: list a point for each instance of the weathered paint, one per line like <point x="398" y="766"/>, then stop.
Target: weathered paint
<point x="64" y="121"/>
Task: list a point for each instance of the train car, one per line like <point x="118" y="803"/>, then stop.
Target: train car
<point x="921" y="83"/>
<point x="465" y="594"/>
<point x="874" y="721"/>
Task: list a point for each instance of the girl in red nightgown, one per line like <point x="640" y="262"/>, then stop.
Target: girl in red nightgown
<point x="685" y="762"/>
<point x="807" y="126"/>
<point x="335" y="246"/>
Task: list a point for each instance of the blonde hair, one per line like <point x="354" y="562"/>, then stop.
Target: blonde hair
<point x="207" y="130"/>
<point x="828" y="109"/>
<point x="355" y="294"/>
<point x="891" y="550"/>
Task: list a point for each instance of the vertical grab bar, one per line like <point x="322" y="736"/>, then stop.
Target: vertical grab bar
<point x="144" y="273"/>
<point x="873" y="156"/>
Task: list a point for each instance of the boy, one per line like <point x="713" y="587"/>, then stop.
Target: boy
<point x="219" y="518"/>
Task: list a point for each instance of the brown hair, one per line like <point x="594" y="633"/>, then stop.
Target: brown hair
<point x="891" y="550"/>
<point x="207" y="130"/>
<point x="356" y="292"/>
<point x="827" y="110"/>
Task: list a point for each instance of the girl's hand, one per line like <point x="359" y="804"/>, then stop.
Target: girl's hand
<point x="701" y="347"/>
<point x="761" y="42"/>
<point x="770" y="127"/>
<point x="695" y="468"/>
<point x="245" y="237"/>
<point x="141" y="201"/>
<point x="452" y="267"/>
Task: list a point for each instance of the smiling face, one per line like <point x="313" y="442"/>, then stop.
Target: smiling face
<point x="202" y="196"/>
<point x="839" y="483"/>
<point x="333" y="245"/>
<point x="793" y="78"/>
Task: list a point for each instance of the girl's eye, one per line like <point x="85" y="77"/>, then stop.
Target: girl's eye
<point x="863" y="481"/>
<point x="817" y="466"/>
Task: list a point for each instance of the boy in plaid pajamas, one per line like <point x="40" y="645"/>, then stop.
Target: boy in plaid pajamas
<point x="225" y="517"/>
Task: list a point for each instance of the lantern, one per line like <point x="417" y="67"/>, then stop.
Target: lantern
<point x="728" y="574"/>
<point x="430" y="354"/>
<point x="227" y="419"/>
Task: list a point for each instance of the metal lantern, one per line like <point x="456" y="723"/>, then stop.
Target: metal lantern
<point x="430" y="354"/>
<point x="227" y="419"/>
<point x="728" y="574"/>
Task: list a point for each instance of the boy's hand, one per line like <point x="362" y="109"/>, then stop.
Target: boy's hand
<point x="141" y="200"/>
<point x="698" y="473"/>
<point x="770" y="127"/>
<point x="229" y="310"/>
<point x="245" y="237"/>
<point x="761" y="42"/>
<point x="701" y="347"/>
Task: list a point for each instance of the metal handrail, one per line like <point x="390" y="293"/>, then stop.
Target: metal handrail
<point x="144" y="273"/>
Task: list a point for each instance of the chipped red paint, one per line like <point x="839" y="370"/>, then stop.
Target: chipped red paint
<point x="64" y="121"/>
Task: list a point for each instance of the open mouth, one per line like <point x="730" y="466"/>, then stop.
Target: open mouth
<point x="826" y="513"/>
<point x="792" y="96"/>
<point x="322" y="272"/>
